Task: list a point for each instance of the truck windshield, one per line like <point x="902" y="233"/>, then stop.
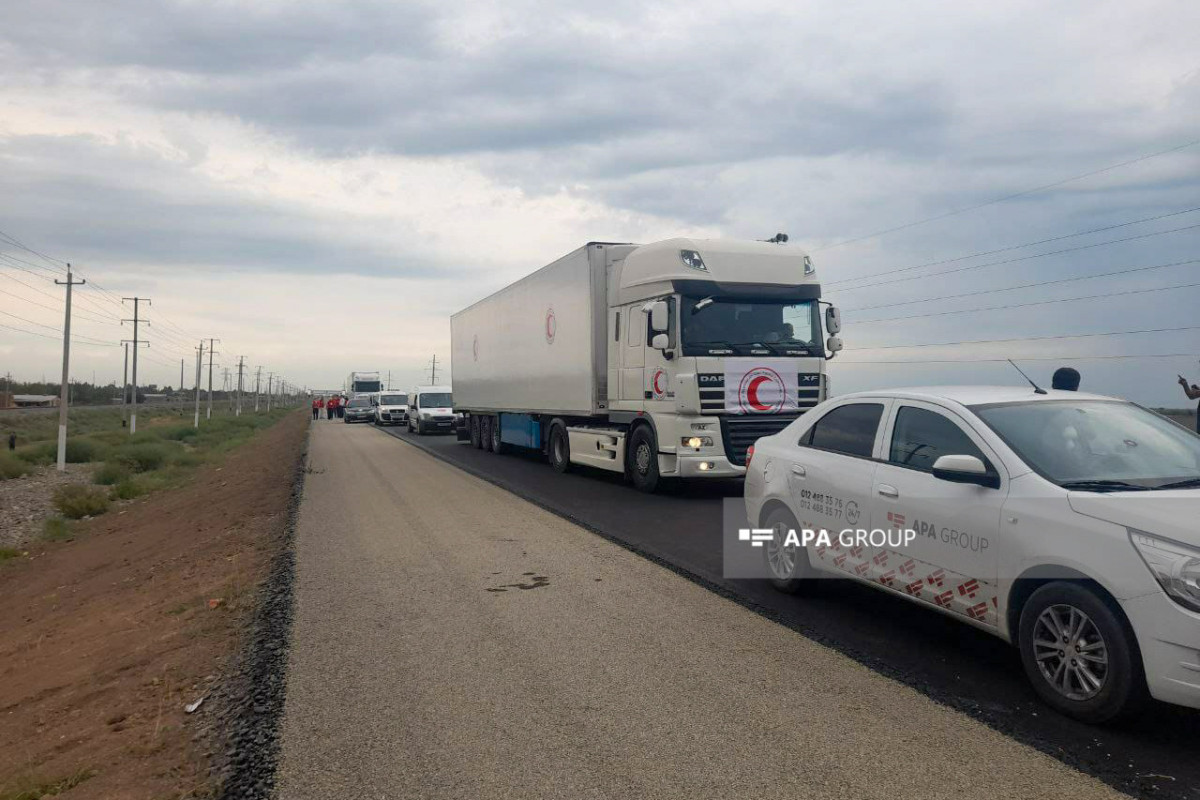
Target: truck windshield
<point x="715" y="326"/>
<point x="436" y="400"/>
<point x="367" y="387"/>
<point x="393" y="400"/>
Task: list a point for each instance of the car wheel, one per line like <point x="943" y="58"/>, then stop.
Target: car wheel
<point x="558" y="449"/>
<point x="643" y="459"/>
<point x="476" y="439"/>
<point x="420" y="427"/>
<point x="498" y="446"/>
<point x="1080" y="654"/>
<point x="788" y="565"/>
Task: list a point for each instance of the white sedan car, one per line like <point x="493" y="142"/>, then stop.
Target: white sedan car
<point x="1065" y="523"/>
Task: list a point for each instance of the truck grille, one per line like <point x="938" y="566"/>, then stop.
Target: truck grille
<point x="739" y="432"/>
<point x="712" y="391"/>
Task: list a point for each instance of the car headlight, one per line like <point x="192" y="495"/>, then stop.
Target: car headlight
<point x="1175" y="566"/>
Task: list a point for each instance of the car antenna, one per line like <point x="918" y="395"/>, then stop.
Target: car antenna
<point x="1036" y="389"/>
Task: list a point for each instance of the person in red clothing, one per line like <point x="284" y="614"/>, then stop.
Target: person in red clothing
<point x="317" y="404"/>
<point x="332" y="406"/>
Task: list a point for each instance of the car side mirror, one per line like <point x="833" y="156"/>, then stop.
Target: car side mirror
<point x="660" y="320"/>
<point x="965" y="469"/>
<point x="833" y="320"/>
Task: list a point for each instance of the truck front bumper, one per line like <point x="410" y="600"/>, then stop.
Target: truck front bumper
<point x="693" y="465"/>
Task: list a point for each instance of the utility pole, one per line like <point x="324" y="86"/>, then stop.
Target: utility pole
<point x="208" y="413"/>
<point x="270" y="381"/>
<point x="257" y="386"/>
<point x="181" y="376"/>
<point x="389" y="380"/>
<point x="125" y="388"/>
<point x="199" y="367"/>
<point x="137" y="301"/>
<point x="63" y="398"/>
<point x="433" y="370"/>
<point x="241" y="367"/>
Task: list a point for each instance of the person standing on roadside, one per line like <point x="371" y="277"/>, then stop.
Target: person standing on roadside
<point x="1065" y="379"/>
<point x="316" y="407"/>
<point x="331" y="407"/>
<point x="1193" y="393"/>
<point x="341" y="406"/>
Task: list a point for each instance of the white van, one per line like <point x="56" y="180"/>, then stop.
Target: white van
<point x="431" y="408"/>
<point x="391" y="408"/>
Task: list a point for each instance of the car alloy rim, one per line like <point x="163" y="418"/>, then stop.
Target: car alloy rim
<point x="1070" y="652"/>
<point x="643" y="458"/>
<point x="781" y="559"/>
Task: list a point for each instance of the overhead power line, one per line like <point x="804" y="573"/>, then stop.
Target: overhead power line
<point x="14" y="241"/>
<point x="1010" y="248"/>
<point x="1021" y="258"/>
<point x="1012" y="196"/>
<point x="1025" y="339"/>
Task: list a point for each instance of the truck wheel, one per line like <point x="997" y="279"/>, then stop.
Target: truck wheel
<point x="498" y="446"/>
<point x="558" y="449"/>
<point x="788" y="567"/>
<point x="643" y="459"/>
<point x="1081" y="655"/>
<point x="476" y="439"/>
<point x="485" y="432"/>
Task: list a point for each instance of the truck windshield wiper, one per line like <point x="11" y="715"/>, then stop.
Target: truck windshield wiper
<point x="716" y="345"/>
<point x="1104" y="486"/>
<point x="1188" y="483"/>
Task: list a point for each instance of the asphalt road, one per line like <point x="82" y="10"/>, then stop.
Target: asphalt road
<point x="943" y="659"/>
<point x="453" y="640"/>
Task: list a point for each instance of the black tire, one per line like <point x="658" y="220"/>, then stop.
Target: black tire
<point x="558" y="448"/>
<point x="498" y="446"/>
<point x="789" y="567"/>
<point x="643" y="460"/>
<point x="1102" y="632"/>
<point x="476" y="438"/>
<point x="420" y="427"/>
<point x="485" y="431"/>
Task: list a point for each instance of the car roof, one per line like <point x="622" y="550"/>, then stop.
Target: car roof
<point x="977" y="395"/>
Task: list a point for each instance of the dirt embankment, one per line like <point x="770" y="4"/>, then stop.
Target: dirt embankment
<point x="105" y="639"/>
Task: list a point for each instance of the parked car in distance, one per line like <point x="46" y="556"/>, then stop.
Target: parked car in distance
<point x="1062" y="522"/>
<point x="431" y="408"/>
<point x="359" y="409"/>
<point x="391" y="408"/>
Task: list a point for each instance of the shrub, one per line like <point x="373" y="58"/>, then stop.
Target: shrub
<point x="112" y="472"/>
<point x="145" y="456"/>
<point x="181" y="433"/>
<point x="126" y="490"/>
<point x="56" y="529"/>
<point x="76" y="501"/>
<point x="81" y="451"/>
<point x="186" y="460"/>
<point x="12" y="467"/>
<point x="41" y="453"/>
<point x="8" y="552"/>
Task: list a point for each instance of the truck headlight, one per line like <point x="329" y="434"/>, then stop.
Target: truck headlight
<point x="696" y="442"/>
<point x="1175" y="566"/>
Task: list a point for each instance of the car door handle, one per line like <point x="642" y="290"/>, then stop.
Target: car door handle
<point x="887" y="491"/>
<point x="798" y="469"/>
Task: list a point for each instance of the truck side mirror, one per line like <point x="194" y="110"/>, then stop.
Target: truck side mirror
<point x="661" y="342"/>
<point x="660" y="318"/>
<point x="833" y="344"/>
<point x="833" y="320"/>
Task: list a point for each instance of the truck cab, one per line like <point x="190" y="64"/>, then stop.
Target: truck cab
<point x="713" y="344"/>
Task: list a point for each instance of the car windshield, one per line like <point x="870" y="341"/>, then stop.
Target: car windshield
<point x="359" y="402"/>
<point x="1084" y="441"/>
<point x="436" y="400"/>
<point x="712" y="325"/>
<point x="393" y="400"/>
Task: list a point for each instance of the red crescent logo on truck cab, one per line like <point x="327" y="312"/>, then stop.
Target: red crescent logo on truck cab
<point x="551" y="325"/>
<point x="756" y="383"/>
<point x="656" y="386"/>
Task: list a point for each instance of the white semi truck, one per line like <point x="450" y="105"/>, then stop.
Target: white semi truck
<point x="663" y="360"/>
<point x="363" y="383"/>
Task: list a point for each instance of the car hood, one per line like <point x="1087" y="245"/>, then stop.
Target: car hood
<point x="1171" y="513"/>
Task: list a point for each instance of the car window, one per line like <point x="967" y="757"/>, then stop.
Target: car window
<point x="921" y="437"/>
<point x="848" y="429"/>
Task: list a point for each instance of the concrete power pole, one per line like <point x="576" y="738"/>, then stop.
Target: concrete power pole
<point x="63" y="396"/>
<point x="137" y="301"/>
<point x="433" y="370"/>
<point x="270" y="381"/>
<point x="125" y="388"/>
<point x="241" y="369"/>
<point x="199" y="367"/>
<point x="208" y="413"/>
<point x="257" y="386"/>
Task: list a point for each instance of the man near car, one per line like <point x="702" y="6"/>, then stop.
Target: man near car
<point x="1193" y="393"/>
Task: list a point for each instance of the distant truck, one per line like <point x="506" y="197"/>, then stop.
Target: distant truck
<point x="664" y="360"/>
<point x="363" y="383"/>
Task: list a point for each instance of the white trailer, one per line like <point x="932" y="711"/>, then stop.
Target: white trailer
<point x="363" y="383"/>
<point x="662" y="360"/>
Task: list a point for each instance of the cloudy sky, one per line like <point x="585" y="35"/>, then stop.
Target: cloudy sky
<point x="320" y="185"/>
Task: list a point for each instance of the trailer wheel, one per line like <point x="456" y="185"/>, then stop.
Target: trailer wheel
<point x="485" y="432"/>
<point x="476" y="439"/>
<point x="558" y="449"/>
<point x="498" y="446"/>
<point x="643" y="459"/>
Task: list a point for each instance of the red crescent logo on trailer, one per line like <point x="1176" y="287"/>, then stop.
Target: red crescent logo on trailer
<point x="755" y="384"/>
<point x="551" y="325"/>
